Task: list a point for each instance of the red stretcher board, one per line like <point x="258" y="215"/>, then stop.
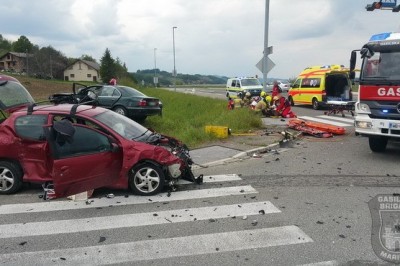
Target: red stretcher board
<point x="304" y="124"/>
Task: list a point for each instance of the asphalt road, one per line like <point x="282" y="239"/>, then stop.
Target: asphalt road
<point x="306" y="204"/>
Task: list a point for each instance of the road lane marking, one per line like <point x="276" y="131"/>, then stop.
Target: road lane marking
<point x="213" y="179"/>
<point x="342" y="119"/>
<point x="163" y="248"/>
<point x="135" y="220"/>
<point x="48" y="206"/>
<point x="322" y="263"/>
<point x="324" y="121"/>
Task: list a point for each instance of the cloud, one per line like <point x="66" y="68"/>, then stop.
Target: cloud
<point x="222" y="37"/>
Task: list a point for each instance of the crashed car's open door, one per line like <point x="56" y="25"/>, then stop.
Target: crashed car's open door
<point x="84" y="161"/>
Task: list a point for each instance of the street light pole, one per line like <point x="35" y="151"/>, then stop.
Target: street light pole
<point x="173" y="44"/>
<point x="265" y="58"/>
<point x="155" y="68"/>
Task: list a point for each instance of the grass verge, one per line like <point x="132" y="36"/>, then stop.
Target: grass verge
<point x="184" y="115"/>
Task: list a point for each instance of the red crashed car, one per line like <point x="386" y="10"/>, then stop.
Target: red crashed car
<point x="81" y="147"/>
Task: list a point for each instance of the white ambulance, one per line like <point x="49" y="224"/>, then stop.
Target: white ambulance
<point x="237" y="85"/>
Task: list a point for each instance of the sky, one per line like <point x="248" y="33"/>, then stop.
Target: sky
<point x="212" y="37"/>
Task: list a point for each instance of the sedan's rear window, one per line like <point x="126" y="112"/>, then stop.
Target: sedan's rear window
<point x="128" y="91"/>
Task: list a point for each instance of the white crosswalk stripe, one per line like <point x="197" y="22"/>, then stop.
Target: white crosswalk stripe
<point x="41" y="222"/>
<point x="347" y="120"/>
<point x="322" y="263"/>
<point x="121" y="201"/>
<point x="344" y="122"/>
<point x="132" y="220"/>
<point x="164" y="248"/>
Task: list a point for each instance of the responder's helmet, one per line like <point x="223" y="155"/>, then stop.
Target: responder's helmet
<point x="263" y="94"/>
<point x="248" y="94"/>
<point x="268" y="98"/>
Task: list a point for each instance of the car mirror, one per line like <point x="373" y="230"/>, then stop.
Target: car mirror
<point x="114" y="147"/>
<point x="64" y="131"/>
<point x="366" y="52"/>
<point x="64" y="127"/>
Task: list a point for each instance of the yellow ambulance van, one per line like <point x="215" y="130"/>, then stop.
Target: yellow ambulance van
<point x="315" y="85"/>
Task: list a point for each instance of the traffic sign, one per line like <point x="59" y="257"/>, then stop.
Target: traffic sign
<point x="388" y="3"/>
<point x="270" y="65"/>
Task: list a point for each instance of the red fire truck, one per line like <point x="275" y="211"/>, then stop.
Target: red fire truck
<point x="378" y="105"/>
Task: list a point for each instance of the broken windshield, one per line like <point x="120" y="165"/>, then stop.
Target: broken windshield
<point x="124" y="126"/>
<point x="382" y="65"/>
<point x="13" y="94"/>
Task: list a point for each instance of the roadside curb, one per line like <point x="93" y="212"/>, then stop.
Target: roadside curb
<point x="238" y="157"/>
<point x="244" y="155"/>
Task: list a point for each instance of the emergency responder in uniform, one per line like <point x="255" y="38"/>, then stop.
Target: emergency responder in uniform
<point x="263" y="105"/>
<point x="283" y="108"/>
<point x="231" y="104"/>
<point x="247" y="99"/>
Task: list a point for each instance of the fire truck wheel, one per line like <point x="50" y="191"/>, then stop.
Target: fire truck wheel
<point x="378" y="144"/>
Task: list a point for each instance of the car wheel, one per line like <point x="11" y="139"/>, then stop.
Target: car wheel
<point x="146" y="179"/>
<point x="291" y="101"/>
<point x="120" y="110"/>
<point x="315" y="104"/>
<point x="10" y="177"/>
<point x="378" y="144"/>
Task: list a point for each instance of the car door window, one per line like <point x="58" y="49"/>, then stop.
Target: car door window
<point x="106" y="91"/>
<point x="116" y="93"/>
<point x="84" y="141"/>
<point x="296" y="84"/>
<point x="311" y="83"/>
<point x="30" y="126"/>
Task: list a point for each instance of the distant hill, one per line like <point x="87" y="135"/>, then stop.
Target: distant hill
<point x="165" y="78"/>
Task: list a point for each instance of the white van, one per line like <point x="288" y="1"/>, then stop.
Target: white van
<point x="243" y="84"/>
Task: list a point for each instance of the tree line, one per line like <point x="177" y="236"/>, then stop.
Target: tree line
<point x="48" y="62"/>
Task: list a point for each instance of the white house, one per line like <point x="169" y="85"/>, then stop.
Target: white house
<point x="83" y="70"/>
